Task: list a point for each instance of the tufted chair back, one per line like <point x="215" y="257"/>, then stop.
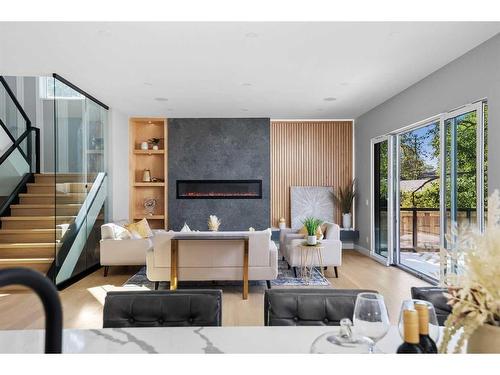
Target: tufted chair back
<point x="434" y="295"/>
<point x="309" y="307"/>
<point x="165" y="308"/>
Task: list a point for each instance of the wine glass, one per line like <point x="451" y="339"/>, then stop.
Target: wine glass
<point x="370" y="317"/>
<point x="433" y="322"/>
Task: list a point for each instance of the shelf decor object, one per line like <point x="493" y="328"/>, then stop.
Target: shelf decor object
<point x="150" y="206"/>
<point x="147" y="170"/>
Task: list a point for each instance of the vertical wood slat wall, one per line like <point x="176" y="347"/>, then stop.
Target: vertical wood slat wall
<point x="308" y="153"/>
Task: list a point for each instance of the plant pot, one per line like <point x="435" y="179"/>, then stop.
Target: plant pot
<point x="312" y="240"/>
<point x="346" y="221"/>
<point x="485" y="339"/>
<point x="155" y="147"/>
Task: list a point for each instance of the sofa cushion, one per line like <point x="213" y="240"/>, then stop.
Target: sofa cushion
<point x="331" y="231"/>
<point x="141" y="228"/>
<point x="112" y="231"/>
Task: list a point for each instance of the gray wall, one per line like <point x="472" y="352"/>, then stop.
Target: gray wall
<point x="224" y="149"/>
<point x="471" y="77"/>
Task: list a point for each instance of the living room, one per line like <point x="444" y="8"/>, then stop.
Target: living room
<point x="228" y="180"/>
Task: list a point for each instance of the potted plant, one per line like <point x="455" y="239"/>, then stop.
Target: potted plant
<point x="154" y="142"/>
<point x="344" y="199"/>
<point x="474" y="286"/>
<point x="312" y="224"/>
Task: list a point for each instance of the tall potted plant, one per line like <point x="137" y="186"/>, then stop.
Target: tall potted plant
<point x="312" y="224"/>
<point x="474" y="287"/>
<point x="344" y="199"/>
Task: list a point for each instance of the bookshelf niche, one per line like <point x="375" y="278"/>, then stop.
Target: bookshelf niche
<point x="149" y="187"/>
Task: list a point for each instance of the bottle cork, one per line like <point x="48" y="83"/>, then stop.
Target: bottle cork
<point x="423" y="318"/>
<point x="410" y="323"/>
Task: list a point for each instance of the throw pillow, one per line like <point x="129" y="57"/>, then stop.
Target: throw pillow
<point x="185" y="228"/>
<point x="319" y="232"/>
<point x="121" y="233"/>
<point x="330" y="233"/>
<point x="140" y="229"/>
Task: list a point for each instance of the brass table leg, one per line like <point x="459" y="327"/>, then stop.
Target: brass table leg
<point x="245" y="270"/>
<point x="174" y="258"/>
<point x="320" y="258"/>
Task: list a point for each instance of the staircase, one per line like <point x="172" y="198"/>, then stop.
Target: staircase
<point x="31" y="235"/>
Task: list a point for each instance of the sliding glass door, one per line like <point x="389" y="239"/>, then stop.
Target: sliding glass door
<point x="427" y="179"/>
<point x="418" y="193"/>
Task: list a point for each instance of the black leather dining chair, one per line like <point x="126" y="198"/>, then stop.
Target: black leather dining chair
<point x="165" y="308"/>
<point x="309" y="307"/>
<point x="434" y="295"/>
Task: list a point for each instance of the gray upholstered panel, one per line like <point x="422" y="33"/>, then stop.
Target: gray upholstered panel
<point x="167" y="308"/>
<point x="435" y="296"/>
<point x="309" y="307"/>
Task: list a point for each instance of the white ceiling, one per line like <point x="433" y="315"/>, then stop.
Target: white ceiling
<point x="277" y="70"/>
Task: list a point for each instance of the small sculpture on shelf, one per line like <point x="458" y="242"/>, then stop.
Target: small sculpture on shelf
<point x="150" y="206"/>
<point x="146" y="175"/>
<point x="154" y="142"/>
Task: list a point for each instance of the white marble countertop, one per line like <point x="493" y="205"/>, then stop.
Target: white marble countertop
<point x="182" y="340"/>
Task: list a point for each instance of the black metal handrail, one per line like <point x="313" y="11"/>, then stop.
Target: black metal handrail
<point x="50" y="300"/>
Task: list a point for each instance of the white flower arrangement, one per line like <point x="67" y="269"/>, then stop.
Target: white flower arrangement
<point x="474" y="287"/>
<point x="213" y="223"/>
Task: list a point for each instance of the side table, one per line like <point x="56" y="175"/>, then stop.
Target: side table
<point x="307" y="254"/>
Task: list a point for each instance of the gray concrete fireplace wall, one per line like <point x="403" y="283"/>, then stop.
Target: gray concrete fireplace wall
<point x="219" y="149"/>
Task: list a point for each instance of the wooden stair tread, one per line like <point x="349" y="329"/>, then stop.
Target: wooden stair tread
<point x="27" y="231"/>
<point x="26" y="260"/>
<point x="27" y="218"/>
<point x="58" y="174"/>
<point x="23" y="245"/>
<point x="46" y="205"/>
<point x="49" y="195"/>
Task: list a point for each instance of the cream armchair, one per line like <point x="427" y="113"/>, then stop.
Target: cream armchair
<point x="290" y="241"/>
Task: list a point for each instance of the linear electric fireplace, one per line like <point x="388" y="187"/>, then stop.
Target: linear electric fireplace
<point x="219" y="189"/>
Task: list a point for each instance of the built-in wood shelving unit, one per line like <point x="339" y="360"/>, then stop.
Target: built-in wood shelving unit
<point x="140" y="130"/>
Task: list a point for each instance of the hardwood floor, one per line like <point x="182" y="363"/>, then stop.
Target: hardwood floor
<point x="83" y="301"/>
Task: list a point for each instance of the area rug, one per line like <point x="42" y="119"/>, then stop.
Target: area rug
<point x="286" y="278"/>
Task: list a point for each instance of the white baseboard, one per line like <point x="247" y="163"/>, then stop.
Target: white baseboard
<point x="362" y="250"/>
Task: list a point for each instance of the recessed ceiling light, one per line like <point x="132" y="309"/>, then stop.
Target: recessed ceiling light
<point x="247" y="84"/>
<point x="160" y="99"/>
<point x="106" y="33"/>
<point x="329" y="99"/>
<point x="147" y="84"/>
<point x="251" y="35"/>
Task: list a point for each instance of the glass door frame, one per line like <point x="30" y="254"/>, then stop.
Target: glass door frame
<point x="390" y="199"/>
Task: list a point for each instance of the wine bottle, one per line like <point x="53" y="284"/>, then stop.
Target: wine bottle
<point x="411" y="337"/>
<point x="426" y="343"/>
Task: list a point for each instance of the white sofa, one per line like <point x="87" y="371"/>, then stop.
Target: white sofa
<point x="290" y="241"/>
<point x="206" y="260"/>
<point x="122" y="252"/>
